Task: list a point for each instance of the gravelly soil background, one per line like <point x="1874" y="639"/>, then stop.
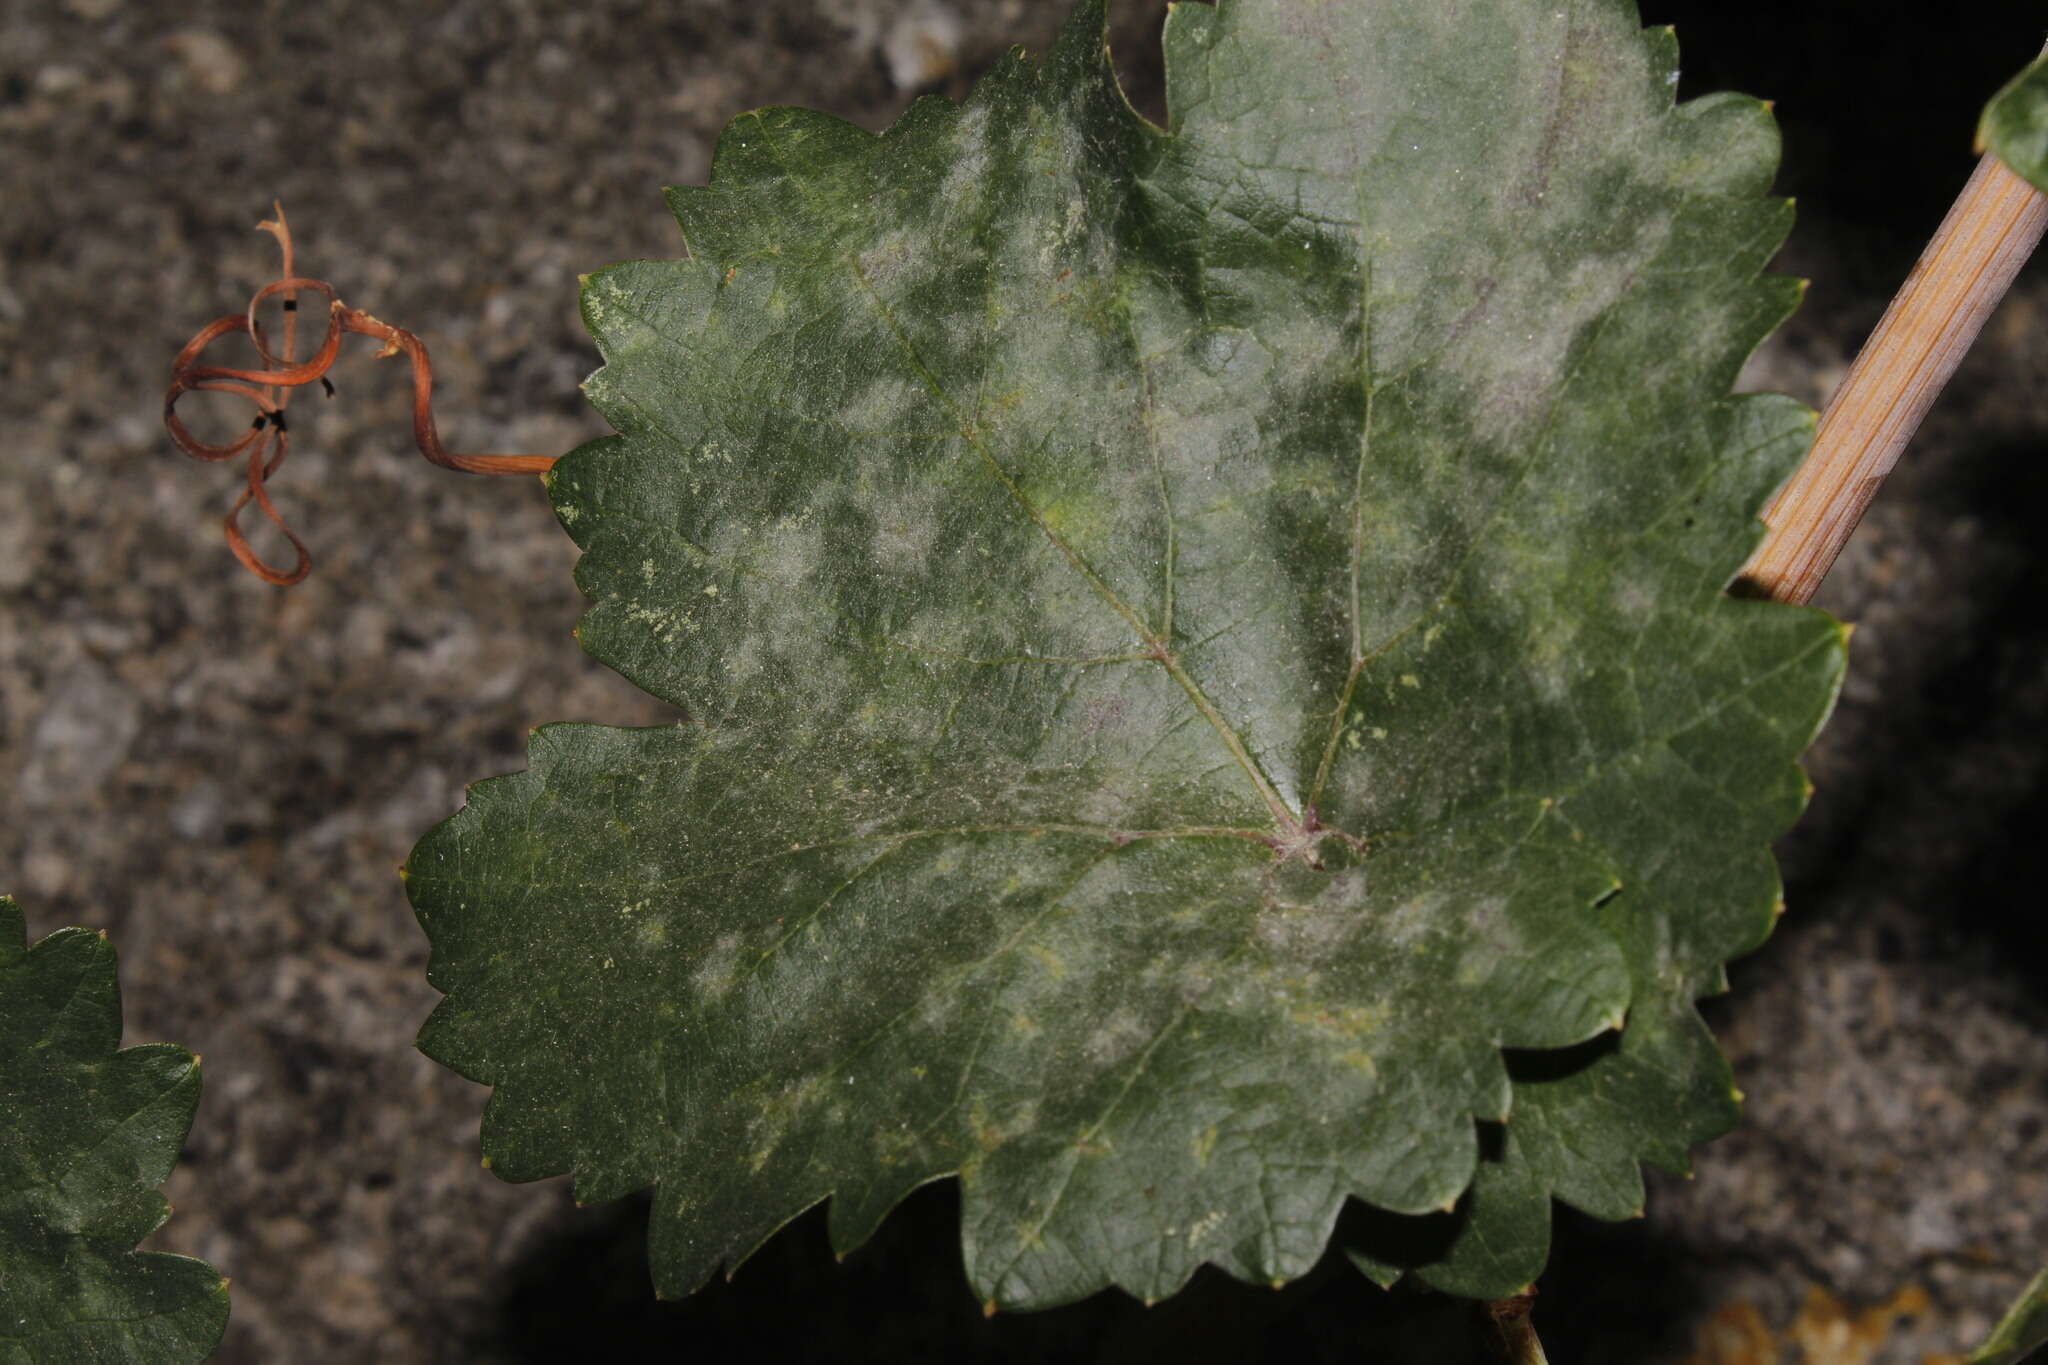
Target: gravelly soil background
<point x="224" y="775"/>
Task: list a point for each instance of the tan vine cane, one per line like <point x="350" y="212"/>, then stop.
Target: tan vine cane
<point x="1966" y="269"/>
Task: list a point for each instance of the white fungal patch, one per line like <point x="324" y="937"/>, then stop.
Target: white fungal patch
<point x="1409" y="923"/>
<point x="1055" y="966"/>
<point x="1104" y="807"/>
<point x="1120" y="1035"/>
<point x="1634" y="601"/>
<point x="967" y="179"/>
<point x="792" y="550"/>
<point x="886" y="402"/>
<point x="1310" y="932"/>
<point x="1553" y="659"/>
<point x="714" y="975"/>
<point x="1059" y="238"/>
<point x="907" y="530"/>
<point x="882" y="264"/>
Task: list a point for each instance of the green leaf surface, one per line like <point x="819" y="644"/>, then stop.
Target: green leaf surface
<point x="2015" y="125"/>
<point x="1205" y="651"/>
<point x="88" y="1130"/>
<point x="1498" y="1236"/>
<point x="2022" y="1331"/>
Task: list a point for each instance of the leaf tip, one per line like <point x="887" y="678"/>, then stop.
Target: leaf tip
<point x="487" y="1161"/>
<point x="988" y="1308"/>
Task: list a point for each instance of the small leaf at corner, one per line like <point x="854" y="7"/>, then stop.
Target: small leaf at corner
<point x="88" y="1130"/>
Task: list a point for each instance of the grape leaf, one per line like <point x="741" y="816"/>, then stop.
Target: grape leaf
<point x="88" y="1129"/>
<point x="2015" y="125"/>
<point x="1196" y="640"/>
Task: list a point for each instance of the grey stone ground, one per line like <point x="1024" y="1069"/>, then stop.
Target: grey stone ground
<point x="225" y="776"/>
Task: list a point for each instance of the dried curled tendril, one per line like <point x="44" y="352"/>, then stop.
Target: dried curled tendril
<point x="270" y="390"/>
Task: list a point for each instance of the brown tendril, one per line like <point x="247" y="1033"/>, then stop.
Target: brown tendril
<point x="269" y="389"/>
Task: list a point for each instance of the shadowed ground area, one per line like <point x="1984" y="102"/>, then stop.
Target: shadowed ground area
<point x="225" y="776"/>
